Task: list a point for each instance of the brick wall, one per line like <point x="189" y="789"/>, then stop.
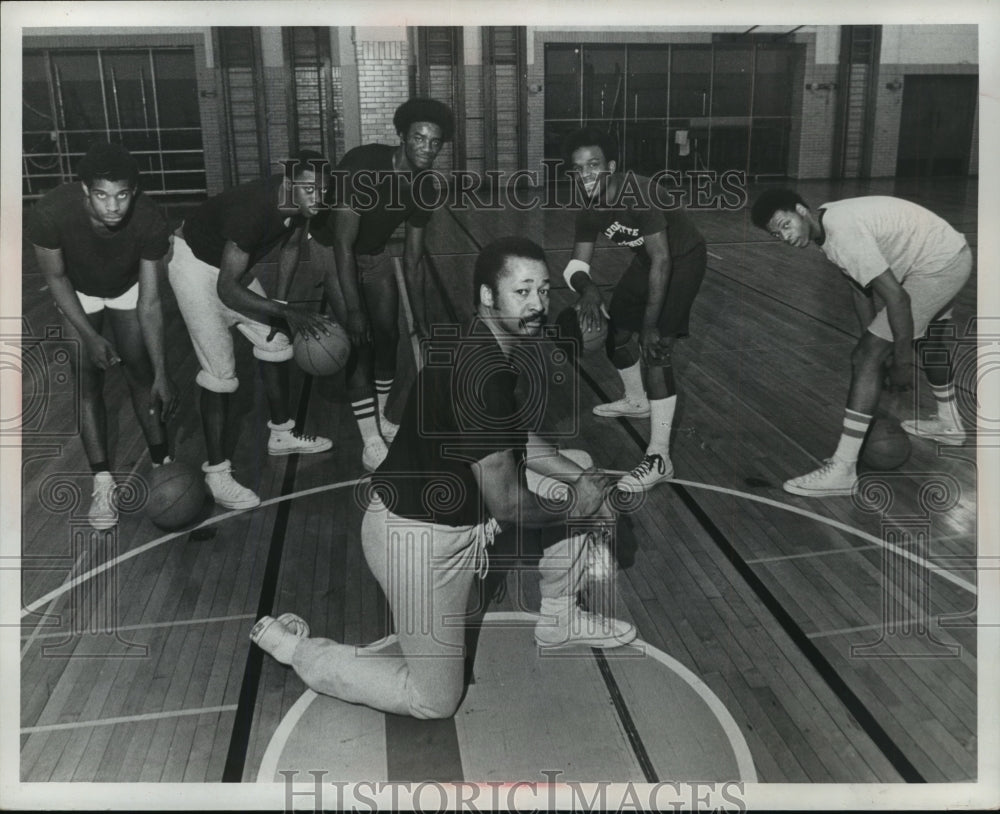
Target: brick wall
<point x="384" y="84"/>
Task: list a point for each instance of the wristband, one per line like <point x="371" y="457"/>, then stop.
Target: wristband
<point x="572" y="267"/>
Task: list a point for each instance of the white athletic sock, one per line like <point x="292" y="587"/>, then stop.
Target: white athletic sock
<point x="852" y="436"/>
<point x="661" y="419"/>
<point x="364" y="414"/>
<point x="382" y="389"/>
<point x="632" y="379"/>
<point x="947" y="404"/>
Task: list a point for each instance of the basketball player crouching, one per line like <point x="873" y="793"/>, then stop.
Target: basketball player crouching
<point x="99" y="243"/>
<point x="916" y="263"/>
<point x="212" y="275"/>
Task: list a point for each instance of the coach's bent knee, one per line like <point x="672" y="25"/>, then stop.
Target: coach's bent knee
<point x="213" y="383"/>
<point x="437" y="709"/>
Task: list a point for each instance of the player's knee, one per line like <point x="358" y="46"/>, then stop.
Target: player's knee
<point x="435" y="708"/>
<point x="870" y="352"/>
<point x="216" y="384"/>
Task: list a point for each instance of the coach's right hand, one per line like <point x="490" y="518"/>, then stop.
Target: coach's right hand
<point x="358" y="327"/>
<point x="101" y="352"/>
<point x="590" y="309"/>
<point x="304" y="320"/>
<point x="590" y="490"/>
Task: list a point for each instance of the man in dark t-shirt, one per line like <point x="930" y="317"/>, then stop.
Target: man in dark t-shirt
<point x="653" y="298"/>
<point x="375" y="188"/>
<point x="213" y="277"/>
<point x="99" y="242"/>
<point x="453" y="476"/>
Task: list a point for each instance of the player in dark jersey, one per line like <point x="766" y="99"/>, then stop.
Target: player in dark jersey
<point x="653" y="298"/>
<point x="99" y="243"/>
<point x="213" y="278"/>
<point x="373" y="196"/>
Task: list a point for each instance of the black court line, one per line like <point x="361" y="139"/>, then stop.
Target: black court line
<point x="854" y="705"/>
<point x="621" y="707"/>
<point x="239" y="739"/>
<point x="634" y="739"/>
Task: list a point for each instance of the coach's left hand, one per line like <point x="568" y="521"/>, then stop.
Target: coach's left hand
<point x="163" y="399"/>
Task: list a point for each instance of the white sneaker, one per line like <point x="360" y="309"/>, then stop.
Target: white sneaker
<point x="623" y="408"/>
<point x="388" y="429"/>
<point x="834" y="477"/>
<point x="280" y="636"/>
<point x="652" y="469"/>
<point x="103" y="512"/>
<point x="290" y="442"/>
<point x="581" y="627"/>
<point x="944" y="432"/>
<point x="374" y="453"/>
<point x="225" y="490"/>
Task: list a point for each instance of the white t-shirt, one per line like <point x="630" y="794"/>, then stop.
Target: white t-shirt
<point x="866" y="236"/>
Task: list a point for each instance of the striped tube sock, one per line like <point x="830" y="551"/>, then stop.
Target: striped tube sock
<point x="947" y="404"/>
<point x="364" y="414"/>
<point x="382" y="389"/>
<point x="852" y="436"/>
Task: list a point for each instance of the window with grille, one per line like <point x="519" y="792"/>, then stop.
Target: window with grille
<point x="143" y="98"/>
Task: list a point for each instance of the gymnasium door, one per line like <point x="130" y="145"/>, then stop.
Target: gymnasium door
<point x="935" y="131"/>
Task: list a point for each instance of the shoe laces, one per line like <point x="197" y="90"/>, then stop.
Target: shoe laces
<point x="828" y="465"/>
<point x="647" y="464"/>
<point x="301" y="436"/>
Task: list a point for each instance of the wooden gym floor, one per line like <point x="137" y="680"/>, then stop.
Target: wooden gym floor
<point x="840" y="635"/>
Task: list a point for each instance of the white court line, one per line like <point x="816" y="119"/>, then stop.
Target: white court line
<point x="821" y="634"/>
<point x="713" y="255"/>
<point x="741" y="750"/>
<point x="66" y="584"/>
<point x="128" y="719"/>
<point x="808" y="554"/>
<point x="150" y="625"/>
<point x="172" y="536"/>
<point x="941" y="572"/>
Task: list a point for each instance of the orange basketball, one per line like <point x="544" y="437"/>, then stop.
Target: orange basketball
<point x="176" y="495"/>
<point x="324" y="356"/>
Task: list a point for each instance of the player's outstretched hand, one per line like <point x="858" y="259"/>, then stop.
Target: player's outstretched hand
<point x="307" y="321"/>
<point x="102" y="353"/>
<point x="590" y="309"/>
<point x="163" y="399"/>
